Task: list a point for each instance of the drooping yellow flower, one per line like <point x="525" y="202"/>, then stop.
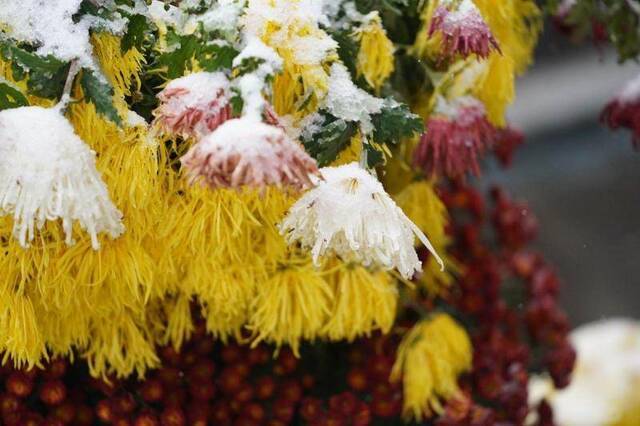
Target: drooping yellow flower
<point x="429" y="359"/>
<point x="375" y="59"/>
<point x="364" y="301"/>
<point x="422" y="205"/>
<point x="425" y="46"/>
<point x="291" y="305"/>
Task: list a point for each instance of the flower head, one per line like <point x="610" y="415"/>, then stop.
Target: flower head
<point x="624" y="110"/>
<point x="458" y="133"/>
<point x="48" y="173"/>
<point x="463" y="30"/>
<point x="244" y="152"/>
<point x="429" y="359"/>
<point x="194" y="105"/>
<point x="349" y="214"/>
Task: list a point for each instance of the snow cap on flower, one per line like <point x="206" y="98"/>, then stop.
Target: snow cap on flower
<point x="349" y="214"/>
<point x="246" y="152"/>
<point x="624" y="110"/>
<point x="458" y="133"/>
<point x="194" y="105"/>
<point x="48" y="173"/>
<point x="464" y="31"/>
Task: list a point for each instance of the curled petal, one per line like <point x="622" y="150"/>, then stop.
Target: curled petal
<point x="624" y="111"/>
<point x="454" y="142"/>
<point x="464" y="32"/>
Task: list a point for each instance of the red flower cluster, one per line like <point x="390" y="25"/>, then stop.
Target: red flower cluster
<point x="496" y="282"/>
<point x="624" y="111"/>
<point x="457" y="135"/>
<point x="464" y="32"/>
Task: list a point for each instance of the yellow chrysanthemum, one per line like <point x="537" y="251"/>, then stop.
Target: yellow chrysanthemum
<point x="429" y="359"/>
<point x="425" y="46"/>
<point x="293" y="304"/>
<point x="375" y="59"/>
<point x="364" y="301"/>
<point x="516" y="25"/>
<point x="422" y="205"/>
<point x="121" y="69"/>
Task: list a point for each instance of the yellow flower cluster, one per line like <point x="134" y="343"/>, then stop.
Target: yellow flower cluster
<point x="430" y="358"/>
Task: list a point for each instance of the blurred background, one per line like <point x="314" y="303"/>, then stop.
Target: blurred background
<point x="580" y="179"/>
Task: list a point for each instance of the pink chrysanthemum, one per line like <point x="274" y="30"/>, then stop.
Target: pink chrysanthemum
<point x="458" y="133"/>
<point x="244" y="152"/>
<point x="624" y="111"/>
<point x="194" y="105"/>
<point x="463" y="29"/>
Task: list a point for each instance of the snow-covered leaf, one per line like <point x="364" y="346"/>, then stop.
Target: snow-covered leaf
<point x="46" y="74"/>
<point x="332" y="136"/>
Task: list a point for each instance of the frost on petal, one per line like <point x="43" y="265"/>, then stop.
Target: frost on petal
<point x="624" y="110"/>
<point x="463" y="30"/>
<point x="457" y="135"/>
<point x="194" y="105"/>
<point x="349" y="214"/>
<point x="48" y="173"/>
<point x="244" y="152"/>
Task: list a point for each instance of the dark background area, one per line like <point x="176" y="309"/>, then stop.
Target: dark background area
<point x="580" y="179"/>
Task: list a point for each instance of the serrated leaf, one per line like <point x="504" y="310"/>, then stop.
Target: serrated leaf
<point x="99" y="93"/>
<point x="134" y="37"/>
<point x="394" y="123"/>
<point x="47" y="74"/>
<point x="332" y="138"/>
<point x="10" y="97"/>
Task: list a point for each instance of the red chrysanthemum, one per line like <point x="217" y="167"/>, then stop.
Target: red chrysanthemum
<point x="243" y="152"/>
<point x="457" y="135"/>
<point x="506" y="142"/>
<point x="194" y="105"/>
<point x="624" y="111"/>
<point x="464" y="31"/>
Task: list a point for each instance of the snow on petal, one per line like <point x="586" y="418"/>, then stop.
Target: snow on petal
<point x="194" y="105"/>
<point x="349" y="214"/>
<point x="48" y="173"/>
<point x="245" y="152"/>
<point x="463" y="29"/>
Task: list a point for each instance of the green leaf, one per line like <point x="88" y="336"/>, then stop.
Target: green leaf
<point x="99" y="93"/>
<point x="177" y="61"/>
<point x="46" y="74"/>
<point x="333" y="136"/>
<point x="134" y="37"/>
<point x="394" y="123"/>
<point x="216" y="57"/>
<point x="10" y="97"/>
<point x="237" y="103"/>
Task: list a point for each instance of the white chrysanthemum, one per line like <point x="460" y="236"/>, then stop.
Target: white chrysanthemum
<point x="604" y="384"/>
<point x="350" y="214"/>
<point x="48" y="173"/>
